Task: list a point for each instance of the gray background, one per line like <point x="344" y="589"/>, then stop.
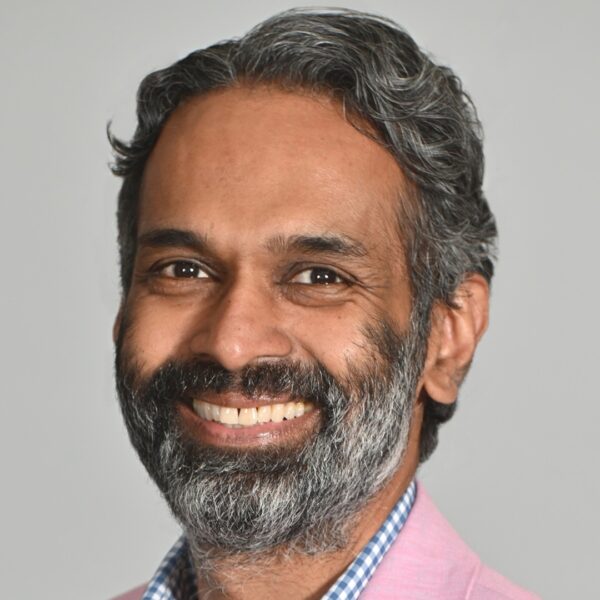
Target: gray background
<point x="516" y="471"/>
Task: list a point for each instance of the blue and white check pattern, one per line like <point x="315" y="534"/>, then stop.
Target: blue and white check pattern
<point x="175" y="579"/>
<point x="355" y="578"/>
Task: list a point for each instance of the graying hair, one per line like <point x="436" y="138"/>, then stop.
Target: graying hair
<point x="414" y="108"/>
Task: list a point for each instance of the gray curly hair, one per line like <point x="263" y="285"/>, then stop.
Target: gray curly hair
<point x="414" y="108"/>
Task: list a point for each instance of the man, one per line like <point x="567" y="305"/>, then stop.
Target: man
<point x="306" y="255"/>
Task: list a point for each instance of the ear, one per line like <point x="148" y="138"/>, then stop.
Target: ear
<point x="455" y="333"/>
<point x="117" y="325"/>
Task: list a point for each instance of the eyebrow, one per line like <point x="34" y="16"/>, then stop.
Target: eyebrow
<point x="173" y="238"/>
<point x="336" y="244"/>
<point x="318" y="244"/>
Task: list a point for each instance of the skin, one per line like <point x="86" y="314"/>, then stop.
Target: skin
<point x="248" y="172"/>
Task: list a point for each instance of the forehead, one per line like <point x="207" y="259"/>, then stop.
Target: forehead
<point x="262" y="161"/>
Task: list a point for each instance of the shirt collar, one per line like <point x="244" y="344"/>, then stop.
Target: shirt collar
<point x="355" y="578"/>
<point x="175" y="577"/>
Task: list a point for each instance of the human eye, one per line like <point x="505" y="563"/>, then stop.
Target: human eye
<point x="322" y="276"/>
<point x="182" y="269"/>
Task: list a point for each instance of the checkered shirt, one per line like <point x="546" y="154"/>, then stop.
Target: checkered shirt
<point x="175" y="578"/>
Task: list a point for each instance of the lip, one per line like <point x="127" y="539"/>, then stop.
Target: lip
<point x="213" y="433"/>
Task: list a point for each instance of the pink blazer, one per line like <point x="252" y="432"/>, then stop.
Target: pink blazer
<point x="428" y="561"/>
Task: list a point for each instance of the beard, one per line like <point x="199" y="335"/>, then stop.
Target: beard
<point x="303" y="498"/>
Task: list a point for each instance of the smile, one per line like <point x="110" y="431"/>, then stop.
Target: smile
<point x="247" y="417"/>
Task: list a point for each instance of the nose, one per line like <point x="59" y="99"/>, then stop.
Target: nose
<point x="241" y="328"/>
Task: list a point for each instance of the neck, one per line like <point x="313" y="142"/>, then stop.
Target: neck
<point x="297" y="576"/>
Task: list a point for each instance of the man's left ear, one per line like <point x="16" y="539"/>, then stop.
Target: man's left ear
<point x="454" y="335"/>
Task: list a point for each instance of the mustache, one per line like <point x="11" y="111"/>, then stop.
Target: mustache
<point x="190" y="379"/>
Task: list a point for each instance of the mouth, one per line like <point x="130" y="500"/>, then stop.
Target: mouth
<point x="232" y="420"/>
<point x="250" y="416"/>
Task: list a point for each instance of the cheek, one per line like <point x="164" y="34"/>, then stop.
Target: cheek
<point x="337" y="336"/>
<point x="155" y="333"/>
<point x="334" y="337"/>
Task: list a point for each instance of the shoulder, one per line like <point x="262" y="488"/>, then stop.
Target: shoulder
<point x="429" y="561"/>
<point x="135" y="594"/>
<point x="489" y="585"/>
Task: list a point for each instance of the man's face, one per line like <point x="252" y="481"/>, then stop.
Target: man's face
<point x="269" y="277"/>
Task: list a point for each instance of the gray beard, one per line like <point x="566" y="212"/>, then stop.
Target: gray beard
<point x="302" y="499"/>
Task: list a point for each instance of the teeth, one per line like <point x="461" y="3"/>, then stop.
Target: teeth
<point x="246" y="417"/>
<point x="289" y="411"/>
<point x="264" y="414"/>
<point x="205" y="410"/>
<point x="277" y="411"/>
<point x="214" y="411"/>
<point x="229" y="416"/>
